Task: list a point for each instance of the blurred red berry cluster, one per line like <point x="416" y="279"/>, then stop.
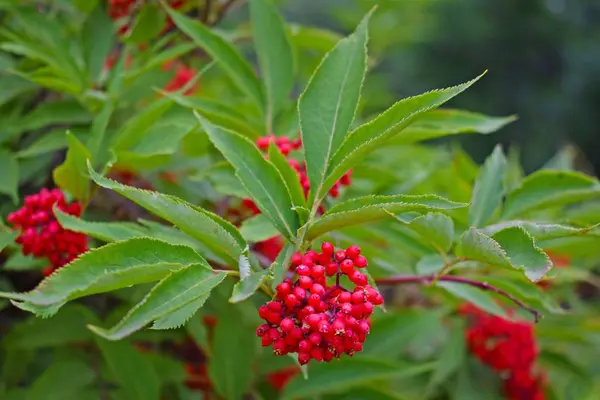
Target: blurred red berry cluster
<point x="316" y="320"/>
<point x="509" y="348"/>
<point x="122" y="9"/>
<point x="41" y="235"/>
<point x="183" y="75"/>
<point x="285" y="146"/>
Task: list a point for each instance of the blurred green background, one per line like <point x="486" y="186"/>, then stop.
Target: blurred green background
<point x="543" y="58"/>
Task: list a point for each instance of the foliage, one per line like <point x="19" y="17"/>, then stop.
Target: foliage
<point x="207" y="170"/>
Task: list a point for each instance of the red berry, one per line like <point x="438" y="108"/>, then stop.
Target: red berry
<point x="313" y="320"/>
<point x="303" y="270"/>
<point x="318" y="271"/>
<point x="338" y="327"/>
<point x="364" y="327"/>
<point x="360" y="262"/>
<point x="303" y="358"/>
<point x="261" y="330"/>
<point x="314" y="300"/>
<point x="279" y="348"/>
<point x="287" y="324"/>
<point x="284" y="288"/>
<point x="291" y="301"/>
<point x="315" y="338"/>
<point x="331" y="269"/>
<point x="345" y="297"/>
<point x="324" y="327"/>
<point x="327" y="248"/>
<point x="358" y="297"/>
<point x="368" y="308"/>
<point x="317" y="289"/>
<point x="317" y="354"/>
<point x="305" y="282"/>
<point x="263" y="311"/>
<point x="340" y="255"/>
<point x="304" y="346"/>
<point x="358" y="278"/>
<point x="347" y="266"/>
<point x="353" y="252"/>
<point x="274" y="306"/>
<point x="296" y="259"/>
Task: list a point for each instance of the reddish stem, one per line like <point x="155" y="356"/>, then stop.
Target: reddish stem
<point x="428" y="279"/>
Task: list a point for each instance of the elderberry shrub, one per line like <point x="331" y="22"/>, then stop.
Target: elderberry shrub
<point x="41" y="235"/>
<point x="317" y="319"/>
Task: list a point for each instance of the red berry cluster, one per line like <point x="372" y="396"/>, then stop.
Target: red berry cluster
<point x="315" y="320"/>
<point x="508" y="347"/>
<point x="119" y="8"/>
<point x="41" y="234"/>
<point x="181" y="78"/>
<point x="285" y="146"/>
<point x="283" y="143"/>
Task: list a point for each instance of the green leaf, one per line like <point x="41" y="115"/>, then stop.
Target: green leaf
<point x="328" y="104"/>
<point x="392" y="333"/>
<point x="435" y="228"/>
<point x="281" y="265"/>
<point x="71" y="174"/>
<point x="136" y="127"/>
<point x="218" y="113"/>
<point x="480" y="298"/>
<point x="51" y="113"/>
<point x="181" y="316"/>
<point x="105" y="231"/>
<point x="48" y="142"/>
<point x="13" y="86"/>
<point x="114" y="266"/>
<point x="444" y="122"/>
<point x="542" y="231"/>
<point x="6" y="237"/>
<point x="98" y="37"/>
<point x="474" y="245"/>
<point x="373" y="208"/>
<point x="62" y="380"/>
<point x="171" y="53"/>
<point x="489" y="189"/>
<point x="223" y="52"/>
<point x="148" y="24"/>
<point x="451" y="356"/>
<point x="347" y="373"/>
<point x="289" y="174"/>
<point x="248" y="286"/>
<point x="176" y="290"/>
<point x="274" y="54"/>
<point x="68" y="326"/>
<point x="233" y="351"/>
<point x="544" y="189"/>
<point x="197" y="330"/>
<point x="259" y="176"/>
<point x="523" y="252"/>
<point x="131" y="370"/>
<point x="213" y="231"/>
<point x="95" y="141"/>
<point x="372" y="135"/>
<point x="258" y="228"/>
<point x="9" y="183"/>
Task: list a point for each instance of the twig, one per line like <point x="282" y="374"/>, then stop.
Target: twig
<point x="206" y="10"/>
<point x="428" y="279"/>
